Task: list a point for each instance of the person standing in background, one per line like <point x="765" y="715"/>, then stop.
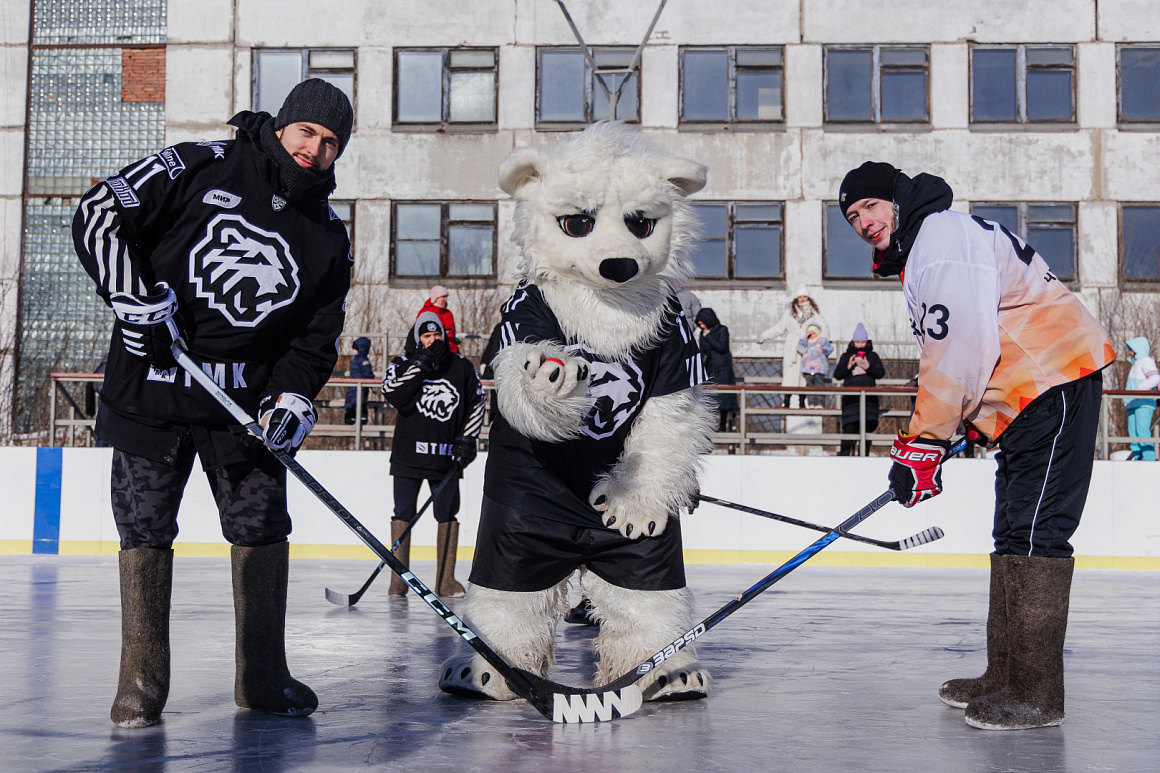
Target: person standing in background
<point x="860" y="366"/>
<point x="802" y="312"/>
<point x="718" y="362"/>
<point x="437" y="304"/>
<point x="1143" y="375"/>
<point x="360" y="367"/>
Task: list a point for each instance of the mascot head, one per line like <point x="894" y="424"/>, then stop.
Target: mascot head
<point x="603" y="224"/>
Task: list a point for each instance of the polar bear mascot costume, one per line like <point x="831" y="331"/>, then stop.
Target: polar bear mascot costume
<point x="601" y="424"/>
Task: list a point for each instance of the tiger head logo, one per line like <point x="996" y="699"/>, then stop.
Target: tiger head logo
<point x="438" y="400"/>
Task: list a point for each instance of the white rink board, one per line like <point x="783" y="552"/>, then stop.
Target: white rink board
<point x="1119" y="521"/>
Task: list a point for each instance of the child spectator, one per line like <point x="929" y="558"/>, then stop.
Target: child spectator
<point x="814" y="352"/>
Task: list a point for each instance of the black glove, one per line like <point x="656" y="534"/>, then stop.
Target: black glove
<point x="463" y="451"/>
<point x="286" y="420"/>
<point x="149" y="324"/>
<point x="430" y="358"/>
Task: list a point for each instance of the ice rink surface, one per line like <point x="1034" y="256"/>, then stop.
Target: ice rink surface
<point x="832" y="669"/>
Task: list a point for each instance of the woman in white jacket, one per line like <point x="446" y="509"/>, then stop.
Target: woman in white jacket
<point x="802" y="313"/>
<point x="1143" y="375"/>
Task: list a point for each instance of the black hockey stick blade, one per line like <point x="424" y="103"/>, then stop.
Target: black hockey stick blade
<point x="349" y="600"/>
<point x="344" y="600"/>
<point x="557" y="702"/>
<point x="922" y="538"/>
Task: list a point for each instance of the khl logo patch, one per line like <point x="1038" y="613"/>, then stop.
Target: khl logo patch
<point x="243" y="271"/>
<point x="438" y="400"/>
<point x="617" y="387"/>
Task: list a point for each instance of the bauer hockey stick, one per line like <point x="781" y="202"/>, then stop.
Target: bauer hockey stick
<point x="703" y="627"/>
<point x="342" y="599"/>
<point x="556" y="701"/>
<point x="922" y="538"/>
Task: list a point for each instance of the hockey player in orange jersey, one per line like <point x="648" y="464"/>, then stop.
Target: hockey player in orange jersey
<point x="1010" y="351"/>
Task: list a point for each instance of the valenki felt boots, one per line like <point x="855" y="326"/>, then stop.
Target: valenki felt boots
<point x="1038" y="593"/>
<point x="398" y="587"/>
<point x="143" y="685"/>
<point x="959" y="692"/>
<point x="263" y="680"/>
<point x="446" y="544"/>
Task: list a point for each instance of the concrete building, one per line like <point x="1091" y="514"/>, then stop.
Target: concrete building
<point x="1045" y="116"/>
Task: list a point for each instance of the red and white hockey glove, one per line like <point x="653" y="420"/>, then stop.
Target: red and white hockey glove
<point x="917" y="471"/>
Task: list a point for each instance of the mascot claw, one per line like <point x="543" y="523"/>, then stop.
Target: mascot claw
<point x="470" y="676"/>
<point x="677" y="679"/>
<point x="554" y="377"/>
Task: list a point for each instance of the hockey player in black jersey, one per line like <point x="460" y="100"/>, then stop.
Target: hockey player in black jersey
<point x="440" y="403"/>
<point x="231" y="247"/>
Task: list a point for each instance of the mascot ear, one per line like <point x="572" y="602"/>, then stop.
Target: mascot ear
<point x="685" y="173"/>
<point x="518" y="169"/>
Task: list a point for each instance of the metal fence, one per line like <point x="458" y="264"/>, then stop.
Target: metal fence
<point x="763" y="424"/>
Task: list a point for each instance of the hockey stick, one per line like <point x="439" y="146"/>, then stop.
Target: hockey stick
<point x="557" y="702"/>
<point x="703" y="627"/>
<point x="342" y="599"/>
<point x="922" y="538"/>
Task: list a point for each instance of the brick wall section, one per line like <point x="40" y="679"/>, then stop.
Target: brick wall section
<point x="143" y="75"/>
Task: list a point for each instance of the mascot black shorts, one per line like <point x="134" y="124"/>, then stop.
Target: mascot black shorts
<point x="517" y="551"/>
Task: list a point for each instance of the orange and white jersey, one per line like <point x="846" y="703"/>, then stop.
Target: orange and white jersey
<point x="995" y="326"/>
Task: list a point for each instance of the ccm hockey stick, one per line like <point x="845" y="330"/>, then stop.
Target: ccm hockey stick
<point x="557" y="702"/>
<point x="922" y="538"/>
<point x="342" y="599"/>
<point x="703" y="627"/>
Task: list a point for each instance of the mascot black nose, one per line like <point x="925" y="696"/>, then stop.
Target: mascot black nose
<point x="618" y="269"/>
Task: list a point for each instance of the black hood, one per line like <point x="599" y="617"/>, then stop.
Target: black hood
<point x="915" y="198"/>
<point x="707" y="316"/>
<point x="294" y="182"/>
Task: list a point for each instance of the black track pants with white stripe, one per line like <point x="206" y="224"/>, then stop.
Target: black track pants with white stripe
<point x="1045" y="467"/>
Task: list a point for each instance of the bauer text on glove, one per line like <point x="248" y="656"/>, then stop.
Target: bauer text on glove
<point x="917" y="471"/>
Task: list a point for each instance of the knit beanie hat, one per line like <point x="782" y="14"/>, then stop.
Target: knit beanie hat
<point x="437" y="292"/>
<point x="872" y="180"/>
<point x="860" y="333"/>
<point x="429" y="322"/>
<point x="316" y="101"/>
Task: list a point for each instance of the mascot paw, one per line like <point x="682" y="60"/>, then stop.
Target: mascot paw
<point x="678" y="679"/>
<point x="633" y="522"/>
<point x="554" y="377"/>
<point x="470" y="676"/>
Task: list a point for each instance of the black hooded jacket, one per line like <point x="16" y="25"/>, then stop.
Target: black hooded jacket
<point x="915" y="198"/>
<point x="844" y="373"/>
<point x="717" y="358"/>
<point x="260" y="270"/>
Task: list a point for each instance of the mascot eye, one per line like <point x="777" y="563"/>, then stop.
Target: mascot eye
<point x="576" y="226"/>
<point x="639" y="226"/>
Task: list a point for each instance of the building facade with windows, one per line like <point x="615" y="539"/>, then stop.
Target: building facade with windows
<point x="1044" y="116"/>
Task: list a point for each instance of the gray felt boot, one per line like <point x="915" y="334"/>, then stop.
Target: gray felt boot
<point x="263" y="681"/>
<point x="446" y="546"/>
<point x="1038" y="591"/>
<point x="143" y="686"/>
<point x="960" y="692"/>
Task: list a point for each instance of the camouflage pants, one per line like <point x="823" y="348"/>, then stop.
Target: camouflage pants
<point x="250" y="496"/>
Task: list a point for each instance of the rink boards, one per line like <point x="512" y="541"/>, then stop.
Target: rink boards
<point x="57" y="501"/>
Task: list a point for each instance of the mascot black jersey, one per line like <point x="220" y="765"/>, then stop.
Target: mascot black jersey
<point x="260" y="280"/>
<point x="553" y="480"/>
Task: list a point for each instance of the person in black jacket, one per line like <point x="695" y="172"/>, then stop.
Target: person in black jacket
<point x="860" y="366"/>
<point x="440" y="403"/>
<point x="231" y="249"/>
<point x="718" y="362"/>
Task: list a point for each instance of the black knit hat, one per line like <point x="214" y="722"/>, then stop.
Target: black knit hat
<point x="316" y="101"/>
<point x="872" y="180"/>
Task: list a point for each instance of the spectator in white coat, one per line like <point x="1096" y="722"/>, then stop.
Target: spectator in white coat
<point x="794" y="324"/>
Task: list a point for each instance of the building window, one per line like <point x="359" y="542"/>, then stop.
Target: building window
<point x="568" y="90"/>
<point x="1140" y="242"/>
<point x="276" y="72"/>
<point x="450" y="240"/>
<point x="344" y="208"/>
<point x="1022" y="84"/>
<point x="877" y="84"/>
<point x="441" y="87"/>
<point x="846" y="256"/>
<point x="1049" y="228"/>
<point x="735" y="85"/>
<point x="1139" y="73"/>
<point x="739" y="240"/>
